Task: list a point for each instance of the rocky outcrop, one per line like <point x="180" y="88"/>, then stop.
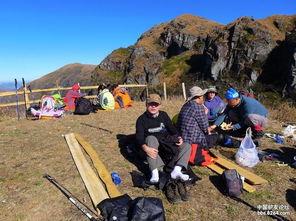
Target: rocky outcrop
<point x="240" y="53"/>
<point x="280" y="67"/>
<point x="241" y="50"/>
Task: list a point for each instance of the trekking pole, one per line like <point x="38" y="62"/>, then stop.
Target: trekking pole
<point x="25" y="97"/>
<point x="274" y="216"/>
<point x="16" y="98"/>
<point x="86" y="211"/>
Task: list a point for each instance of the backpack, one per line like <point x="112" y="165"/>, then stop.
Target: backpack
<point x="83" y="106"/>
<point x="200" y="153"/>
<point x="232" y="181"/>
<point x="47" y="109"/>
<point x="199" y="156"/>
<point x="123" y="208"/>
<point x="247" y="93"/>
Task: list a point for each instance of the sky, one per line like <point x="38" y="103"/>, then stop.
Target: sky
<point x="39" y="36"/>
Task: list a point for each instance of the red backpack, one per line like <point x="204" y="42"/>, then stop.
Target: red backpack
<point x="248" y="93"/>
<point x="200" y="156"/>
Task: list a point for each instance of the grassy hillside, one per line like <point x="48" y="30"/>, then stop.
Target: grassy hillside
<point x="65" y="76"/>
<point x="28" y="149"/>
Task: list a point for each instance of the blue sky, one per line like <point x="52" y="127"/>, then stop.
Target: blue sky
<point x="40" y="36"/>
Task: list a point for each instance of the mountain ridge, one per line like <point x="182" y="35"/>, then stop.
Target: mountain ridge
<point x="65" y="76"/>
<point x="196" y="50"/>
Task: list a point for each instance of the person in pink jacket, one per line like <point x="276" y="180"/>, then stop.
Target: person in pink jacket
<point x="71" y="96"/>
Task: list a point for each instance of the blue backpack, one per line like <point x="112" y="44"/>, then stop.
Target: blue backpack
<point x="233" y="184"/>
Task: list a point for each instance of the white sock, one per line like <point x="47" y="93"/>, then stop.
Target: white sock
<point x="154" y="176"/>
<point x="176" y="173"/>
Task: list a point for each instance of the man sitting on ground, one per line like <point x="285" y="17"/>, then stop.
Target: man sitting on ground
<point x="243" y="112"/>
<point x="152" y="129"/>
<point x="192" y="121"/>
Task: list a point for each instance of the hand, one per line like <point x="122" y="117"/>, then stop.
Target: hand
<point x="150" y="151"/>
<point x="211" y="128"/>
<point x="229" y="127"/>
<point x="180" y="141"/>
<point x="225" y="126"/>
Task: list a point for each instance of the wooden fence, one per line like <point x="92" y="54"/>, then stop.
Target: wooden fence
<point x="25" y="92"/>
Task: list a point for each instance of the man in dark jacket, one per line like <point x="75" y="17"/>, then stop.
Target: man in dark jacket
<point x="243" y="112"/>
<point x="152" y="128"/>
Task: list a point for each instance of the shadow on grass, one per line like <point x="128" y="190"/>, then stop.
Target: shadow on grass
<point x="217" y="182"/>
<point x="286" y="154"/>
<point x="131" y="152"/>
<point x="290" y="197"/>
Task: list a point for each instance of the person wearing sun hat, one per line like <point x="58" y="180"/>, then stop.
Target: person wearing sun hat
<point x="214" y="104"/>
<point x="192" y="120"/>
<point x="153" y="129"/>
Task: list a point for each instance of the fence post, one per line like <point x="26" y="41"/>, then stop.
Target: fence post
<point x="147" y="93"/>
<point x="26" y="97"/>
<point x="58" y="88"/>
<point x="164" y="91"/>
<point x="184" y="91"/>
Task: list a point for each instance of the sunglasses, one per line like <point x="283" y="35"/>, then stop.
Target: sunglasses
<point x="153" y="104"/>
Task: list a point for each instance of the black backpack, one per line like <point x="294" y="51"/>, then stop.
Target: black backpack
<point x="123" y="208"/>
<point x="233" y="184"/>
<point x="82" y="106"/>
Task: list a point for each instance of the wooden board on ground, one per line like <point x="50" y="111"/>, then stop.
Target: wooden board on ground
<point x="247" y="187"/>
<point x="93" y="185"/>
<point x="249" y="176"/>
<point x="100" y="167"/>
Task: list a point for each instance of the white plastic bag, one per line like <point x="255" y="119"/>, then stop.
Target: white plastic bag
<point x="247" y="154"/>
<point x="290" y="131"/>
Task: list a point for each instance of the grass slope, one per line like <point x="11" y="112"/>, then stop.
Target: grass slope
<point x="28" y="149"/>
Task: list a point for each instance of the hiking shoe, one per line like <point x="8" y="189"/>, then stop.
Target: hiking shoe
<point x="172" y="193"/>
<point x="183" y="190"/>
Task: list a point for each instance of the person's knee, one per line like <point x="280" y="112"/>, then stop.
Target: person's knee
<point x="186" y="146"/>
<point x="152" y="141"/>
<point x="254" y="120"/>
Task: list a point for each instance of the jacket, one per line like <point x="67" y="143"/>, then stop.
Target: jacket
<point x="216" y="106"/>
<point x="246" y="106"/>
<point x="193" y="123"/>
<point x="106" y="100"/>
<point x="71" y="96"/>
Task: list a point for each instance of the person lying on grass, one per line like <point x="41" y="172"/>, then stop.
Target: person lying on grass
<point x="159" y="139"/>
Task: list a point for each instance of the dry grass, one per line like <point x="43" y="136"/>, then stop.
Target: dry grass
<point x="285" y="112"/>
<point x="29" y="149"/>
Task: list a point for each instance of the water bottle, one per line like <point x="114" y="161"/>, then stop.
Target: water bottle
<point x="278" y="139"/>
<point x="116" y="178"/>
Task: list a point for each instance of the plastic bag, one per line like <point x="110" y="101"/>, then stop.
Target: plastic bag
<point x="290" y="131"/>
<point x="247" y="154"/>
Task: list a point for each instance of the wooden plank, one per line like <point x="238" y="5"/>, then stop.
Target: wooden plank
<point x="249" y="176"/>
<point x="91" y="181"/>
<point x="104" y="174"/>
<point x="247" y="187"/>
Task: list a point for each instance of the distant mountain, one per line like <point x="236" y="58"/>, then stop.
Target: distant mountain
<point x="65" y="77"/>
<point x="7" y="86"/>
<point x="244" y="53"/>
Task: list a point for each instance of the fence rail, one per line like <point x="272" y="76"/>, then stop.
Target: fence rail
<point x="24" y="91"/>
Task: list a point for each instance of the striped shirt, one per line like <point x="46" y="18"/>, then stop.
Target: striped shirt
<point x="193" y="123"/>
